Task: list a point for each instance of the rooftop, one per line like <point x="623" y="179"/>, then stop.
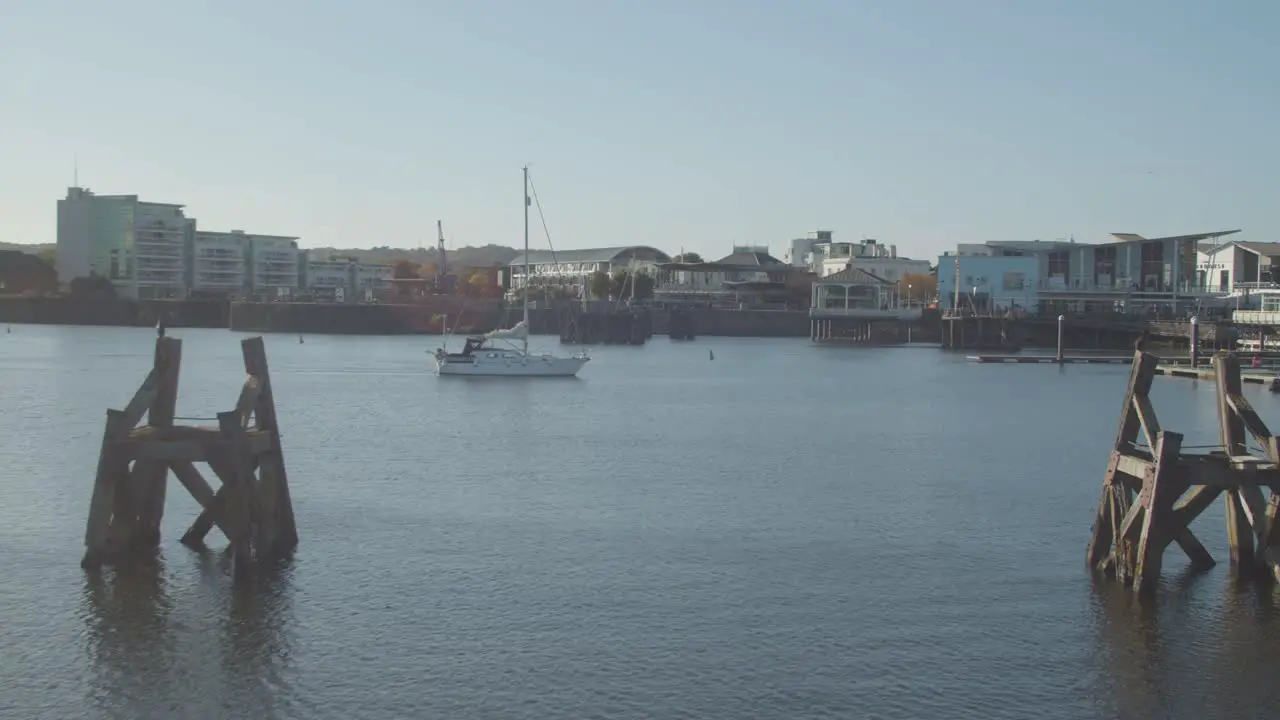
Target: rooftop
<point x="750" y="258"/>
<point x="592" y="255"/>
<point x="854" y="275"/>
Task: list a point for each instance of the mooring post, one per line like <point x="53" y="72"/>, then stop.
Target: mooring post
<point x="1061" y="319"/>
<point x="1195" y="341"/>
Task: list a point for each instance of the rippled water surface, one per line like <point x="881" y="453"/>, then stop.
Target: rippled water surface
<point x="784" y="532"/>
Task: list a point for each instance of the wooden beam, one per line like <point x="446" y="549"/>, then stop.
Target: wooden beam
<point x="1132" y="525"/>
<point x="1133" y="466"/>
<point x="168" y="362"/>
<point x="149" y="479"/>
<point x="1140" y="378"/>
<point x="144" y="397"/>
<point x="241" y="490"/>
<point x="255" y="363"/>
<point x="1101" y="540"/>
<point x="97" y="534"/>
<point x="203" y="493"/>
<point x="1200" y="558"/>
<point x="1147" y="417"/>
<point x="1227" y="376"/>
<point x="1162" y="489"/>
<point x="1239" y="532"/>
<point x="1193" y="503"/>
<point x="1249" y="417"/>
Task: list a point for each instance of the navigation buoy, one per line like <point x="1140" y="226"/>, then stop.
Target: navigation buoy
<point x="713" y="354"/>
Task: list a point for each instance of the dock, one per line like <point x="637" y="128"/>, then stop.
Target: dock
<point x="1260" y="378"/>
<point x="1050" y="359"/>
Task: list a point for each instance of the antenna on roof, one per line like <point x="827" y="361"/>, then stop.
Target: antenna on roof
<point x="75" y="170"/>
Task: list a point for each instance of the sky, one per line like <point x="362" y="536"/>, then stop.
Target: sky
<point x="694" y="124"/>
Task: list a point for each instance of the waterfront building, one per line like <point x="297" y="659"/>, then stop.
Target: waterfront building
<point x="141" y="247"/>
<point x="991" y="282"/>
<point x="569" y="269"/>
<point x="327" y="280"/>
<point x="822" y="255"/>
<point x="747" y="277"/>
<point x="371" y="281"/>
<point x="801" y="251"/>
<point x="273" y="266"/>
<point x="1228" y="267"/>
<point x="345" y="280"/>
<point x="219" y="262"/>
<point x="856" y="293"/>
<point x="1128" y="273"/>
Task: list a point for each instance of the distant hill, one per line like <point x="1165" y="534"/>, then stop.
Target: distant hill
<point x="34" y="249"/>
<point x="482" y="256"/>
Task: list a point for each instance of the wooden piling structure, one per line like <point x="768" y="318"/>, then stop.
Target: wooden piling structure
<point x="1152" y="491"/>
<point x="252" y="507"/>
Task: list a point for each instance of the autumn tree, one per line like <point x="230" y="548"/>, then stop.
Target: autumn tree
<point x="404" y="269"/>
<point x="918" y="286"/>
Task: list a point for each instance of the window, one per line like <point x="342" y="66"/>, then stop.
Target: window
<point x="1012" y="280"/>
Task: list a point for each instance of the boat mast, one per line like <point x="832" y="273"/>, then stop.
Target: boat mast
<point x="525" y="336"/>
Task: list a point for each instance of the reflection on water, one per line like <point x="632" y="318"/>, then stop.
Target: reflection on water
<point x="1170" y="656"/>
<point x="128" y="634"/>
<point x="153" y="659"/>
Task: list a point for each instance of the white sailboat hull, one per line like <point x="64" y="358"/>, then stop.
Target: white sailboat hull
<point x="511" y="365"/>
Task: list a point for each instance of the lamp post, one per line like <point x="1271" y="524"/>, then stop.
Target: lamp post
<point x="908" y="295"/>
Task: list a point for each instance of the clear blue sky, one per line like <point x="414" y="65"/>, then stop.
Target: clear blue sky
<point x="694" y="123"/>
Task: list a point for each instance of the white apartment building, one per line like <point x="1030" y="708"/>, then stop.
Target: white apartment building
<point x="140" y="246"/>
<point x="327" y="275"/>
<point x="371" y="279"/>
<point x="359" y="282"/>
<point x="273" y="265"/>
<point x="800" y="251"/>
<point x="831" y="257"/>
<point x="219" y="262"/>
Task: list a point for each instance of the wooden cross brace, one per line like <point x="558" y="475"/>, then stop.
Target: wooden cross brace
<point x="252" y="507"/>
<point x="1150" y="496"/>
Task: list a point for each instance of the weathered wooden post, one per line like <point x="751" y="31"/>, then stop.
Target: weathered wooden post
<point x="1152" y="492"/>
<point x="256" y="514"/>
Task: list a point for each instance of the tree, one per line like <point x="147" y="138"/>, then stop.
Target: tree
<point x="688" y="257"/>
<point x="428" y="270"/>
<point x="599" y="284"/>
<point x="49" y="256"/>
<point x="93" y="287"/>
<point x="403" y="269"/>
<point x="620" y="285"/>
<point x="918" y="286"/>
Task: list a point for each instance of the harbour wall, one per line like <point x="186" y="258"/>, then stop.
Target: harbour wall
<point x="463" y="315"/>
<point x="116" y="311"/>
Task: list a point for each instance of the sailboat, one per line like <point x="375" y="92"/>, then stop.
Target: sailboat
<point x="482" y="357"/>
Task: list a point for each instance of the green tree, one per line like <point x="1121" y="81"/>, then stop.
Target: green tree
<point x="620" y="285"/>
<point x="688" y="257"/>
<point x="599" y="284"/>
<point x="49" y="256"/>
<point x="93" y="287"/>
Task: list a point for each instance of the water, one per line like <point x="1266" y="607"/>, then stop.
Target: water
<point x="784" y="532"/>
